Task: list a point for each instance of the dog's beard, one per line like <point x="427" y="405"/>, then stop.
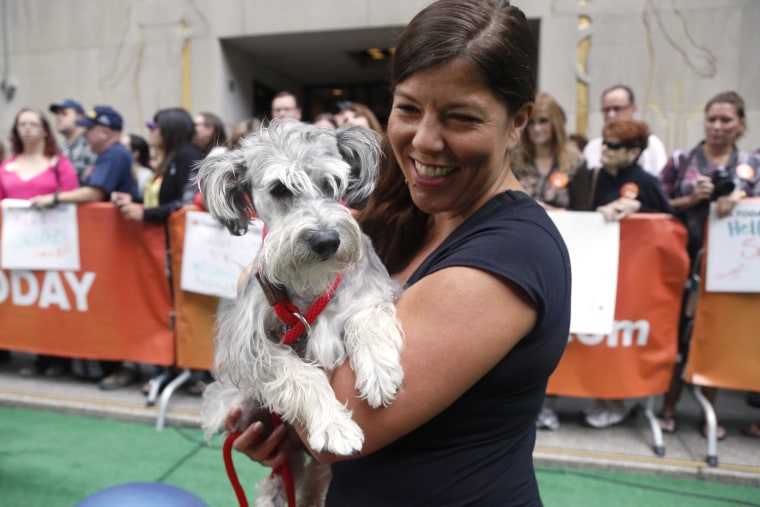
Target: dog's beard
<point x="288" y="260"/>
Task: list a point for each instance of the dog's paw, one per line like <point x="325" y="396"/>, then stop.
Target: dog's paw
<point x="342" y="437"/>
<point x="379" y="385"/>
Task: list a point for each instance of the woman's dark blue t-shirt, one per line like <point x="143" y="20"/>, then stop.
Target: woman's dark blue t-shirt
<point x="478" y="451"/>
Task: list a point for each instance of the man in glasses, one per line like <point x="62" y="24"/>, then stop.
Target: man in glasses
<point x="285" y="105"/>
<point x="618" y="104"/>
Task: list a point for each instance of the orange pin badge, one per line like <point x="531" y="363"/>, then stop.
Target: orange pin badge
<point x="745" y="171"/>
<point x="629" y="190"/>
<point x="558" y="180"/>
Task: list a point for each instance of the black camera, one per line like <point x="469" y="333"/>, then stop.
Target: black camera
<point x="723" y="183"/>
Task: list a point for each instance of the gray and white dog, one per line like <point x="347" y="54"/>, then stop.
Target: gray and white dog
<point x="294" y="176"/>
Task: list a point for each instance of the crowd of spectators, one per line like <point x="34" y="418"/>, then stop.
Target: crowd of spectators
<point x="625" y="170"/>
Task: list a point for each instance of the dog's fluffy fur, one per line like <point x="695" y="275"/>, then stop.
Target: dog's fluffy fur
<point x="294" y="176"/>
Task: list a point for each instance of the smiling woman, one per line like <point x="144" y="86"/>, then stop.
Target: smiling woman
<point x="451" y="135"/>
<point x="452" y="225"/>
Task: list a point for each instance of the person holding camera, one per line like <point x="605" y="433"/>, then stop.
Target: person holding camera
<point x="713" y="171"/>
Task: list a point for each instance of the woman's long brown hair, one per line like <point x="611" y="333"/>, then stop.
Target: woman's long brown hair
<point x="496" y="39"/>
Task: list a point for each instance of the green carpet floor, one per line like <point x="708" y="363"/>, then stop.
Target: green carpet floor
<point x="56" y="460"/>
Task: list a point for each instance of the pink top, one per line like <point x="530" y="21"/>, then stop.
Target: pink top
<point x="13" y="187"/>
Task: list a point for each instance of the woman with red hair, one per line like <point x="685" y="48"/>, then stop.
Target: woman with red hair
<point x="619" y="188"/>
<point x="622" y="186"/>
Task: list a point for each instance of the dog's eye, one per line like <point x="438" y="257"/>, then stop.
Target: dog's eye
<point x="330" y="186"/>
<point x="280" y="190"/>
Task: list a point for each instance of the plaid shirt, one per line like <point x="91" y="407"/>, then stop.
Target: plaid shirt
<point x="80" y="154"/>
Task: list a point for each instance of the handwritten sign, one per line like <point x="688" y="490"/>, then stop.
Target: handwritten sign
<point x="212" y="258"/>
<point x="594" y="248"/>
<point x="733" y="249"/>
<point x="35" y="239"/>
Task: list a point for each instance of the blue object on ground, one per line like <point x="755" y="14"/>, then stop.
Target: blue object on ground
<point x="142" y="494"/>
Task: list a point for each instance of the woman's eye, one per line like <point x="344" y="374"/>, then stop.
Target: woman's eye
<point x="462" y="118"/>
<point x="280" y="190"/>
<point x="407" y="108"/>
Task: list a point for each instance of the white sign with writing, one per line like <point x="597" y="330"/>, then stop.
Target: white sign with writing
<point x="212" y="258"/>
<point x="594" y="247"/>
<point x="733" y="249"/>
<point x="33" y="239"/>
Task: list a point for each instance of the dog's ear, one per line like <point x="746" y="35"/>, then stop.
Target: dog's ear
<point x="360" y="147"/>
<point x="225" y="190"/>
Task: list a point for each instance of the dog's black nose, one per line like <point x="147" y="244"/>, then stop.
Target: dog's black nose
<point x="324" y="243"/>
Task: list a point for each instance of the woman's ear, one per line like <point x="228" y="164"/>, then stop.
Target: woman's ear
<point x="519" y="122"/>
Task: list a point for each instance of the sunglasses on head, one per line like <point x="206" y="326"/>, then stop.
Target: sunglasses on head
<point x="614" y="145"/>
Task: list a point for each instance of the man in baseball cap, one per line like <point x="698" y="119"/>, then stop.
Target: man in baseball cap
<point x="102" y="115"/>
<point x="74" y="145"/>
<point x="112" y="171"/>
<point x="67" y="104"/>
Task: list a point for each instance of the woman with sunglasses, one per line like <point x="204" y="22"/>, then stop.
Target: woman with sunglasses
<point x="622" y="186"/>
<point x="619" y="188"/>
<point x="171" y="135"/>
<point x="713" y="171"/>
<point x="546" y="163"/>
<point x="171" y="187"/>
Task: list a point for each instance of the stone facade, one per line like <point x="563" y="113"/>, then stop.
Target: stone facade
<point x="205" y="55"/>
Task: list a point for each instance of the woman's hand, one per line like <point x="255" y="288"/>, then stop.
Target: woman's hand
<point x="268" y="450"/>
<point x="132" y="211"/>
<point x="43" y="201"/>
<point x="703" y="190"/>
<point x="724" y="205"/>
<point x="121" y="198"/>
<point x="619" y="209"/>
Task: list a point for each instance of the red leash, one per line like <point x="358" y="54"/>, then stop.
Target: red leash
<point x="300" y="325"/>
<point x="229" y="466"/>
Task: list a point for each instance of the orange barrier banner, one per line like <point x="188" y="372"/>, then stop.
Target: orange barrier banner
<point x="195" y="314"/>
<point x="636" y="359"/>
<point x="725" y="342"/>
<point x="116" y="307"/>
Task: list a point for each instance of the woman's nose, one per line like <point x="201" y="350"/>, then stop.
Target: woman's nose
<point x="428" y="137"/>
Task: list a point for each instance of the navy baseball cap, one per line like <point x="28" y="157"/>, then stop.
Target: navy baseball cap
<point x="73" y="104"/>
<point x="102" y="115"/>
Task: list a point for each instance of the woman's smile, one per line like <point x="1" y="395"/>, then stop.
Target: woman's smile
<point x="451" y="136"/>
<point x="429" y="172"/>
